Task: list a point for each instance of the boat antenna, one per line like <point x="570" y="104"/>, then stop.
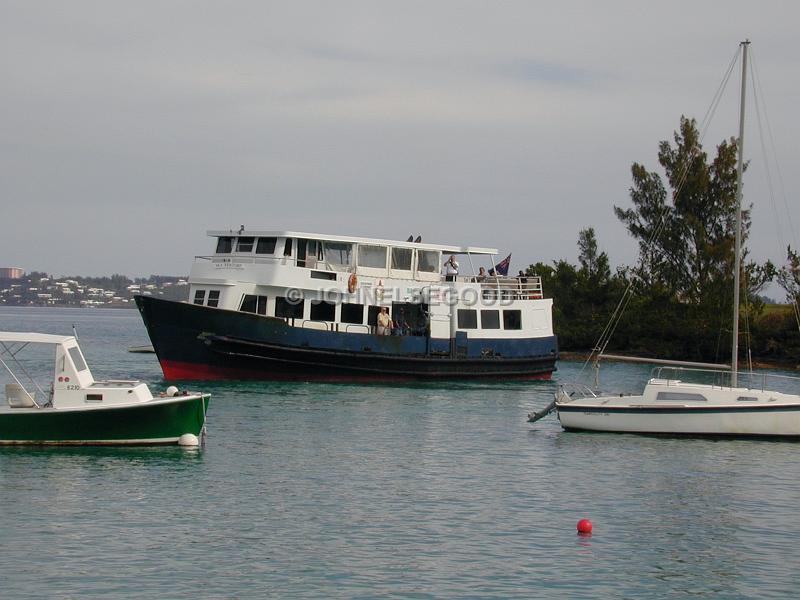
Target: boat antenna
<point x="737" y="253"/>
<point x="74" y="331"/>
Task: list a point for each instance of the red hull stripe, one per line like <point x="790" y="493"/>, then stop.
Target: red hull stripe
<point x="179" y="370"/>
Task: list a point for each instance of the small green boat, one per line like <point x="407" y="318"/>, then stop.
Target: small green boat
<point x="75" y="409"/>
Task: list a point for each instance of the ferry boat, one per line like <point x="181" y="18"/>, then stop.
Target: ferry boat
<point x="303" y="306"/>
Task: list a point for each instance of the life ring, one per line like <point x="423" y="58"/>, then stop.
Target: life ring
<point x="352" y="283"/>
<point x="379" y="290"/>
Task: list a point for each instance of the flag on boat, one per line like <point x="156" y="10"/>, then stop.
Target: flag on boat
<point x="501" y="268"/>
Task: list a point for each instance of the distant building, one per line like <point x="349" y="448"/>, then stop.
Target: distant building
<point x="11" y="273"/>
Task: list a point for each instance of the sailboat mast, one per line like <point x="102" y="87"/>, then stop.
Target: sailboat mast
<point x="737" y="255"/>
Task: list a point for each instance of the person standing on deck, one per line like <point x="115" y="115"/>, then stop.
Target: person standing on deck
<point x="451" y="269"/>
<point x="384" y="322"/>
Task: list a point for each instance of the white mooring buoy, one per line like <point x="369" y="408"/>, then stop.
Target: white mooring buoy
<point x="188" y="439"/>
<point x="172" y="391"/>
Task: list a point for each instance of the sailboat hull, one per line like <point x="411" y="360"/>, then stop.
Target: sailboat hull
<point x="722" y="421"/>
<point x="681" y="408"/>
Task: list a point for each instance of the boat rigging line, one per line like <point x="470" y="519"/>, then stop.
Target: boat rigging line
<point x="611" y="326"/>
<point x="761" y="107"/>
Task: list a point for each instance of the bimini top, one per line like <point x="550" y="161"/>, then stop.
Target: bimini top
<point x="34" y="338"/>
<point x="356" y="240"/>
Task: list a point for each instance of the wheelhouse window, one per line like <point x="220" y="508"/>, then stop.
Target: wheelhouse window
<point x="224" y="245"/>
<point x="353" y="313"/>
<point x="467" y="318"/>
<point x="254" y="304"/>
<point x="401" y="259"/>
<point x="308" y="253"/>
<point x="323" y="311"/>
<point x="213" y="298"/>
<point x="338" y="254"/>
<point x="287" y="309"/>
<point x="266" y="245"/>
<point x="245" y="244"/>
<point x="490" y="319"/>
<point x="199" y="296"/>
<point x="287" y="247"/>
<point x="373" y="257"/>
<point x="248" y="303"/>
<point x="428" y="261"/>
<point x="512" y="319"/>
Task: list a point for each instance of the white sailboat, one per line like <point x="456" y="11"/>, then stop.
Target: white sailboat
<point x="714" y="402"/>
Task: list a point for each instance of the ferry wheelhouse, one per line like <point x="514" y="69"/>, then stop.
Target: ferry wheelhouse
<point x="292" y="305"/>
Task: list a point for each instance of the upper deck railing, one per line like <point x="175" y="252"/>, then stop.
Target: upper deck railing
<point x="518" y="288"/>
<point x="514" y="288"/>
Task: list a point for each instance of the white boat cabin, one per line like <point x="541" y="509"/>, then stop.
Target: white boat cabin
<point x="338" y="283"/>
<point x="72" y="384"/>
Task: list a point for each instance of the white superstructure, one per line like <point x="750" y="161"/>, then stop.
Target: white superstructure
<point x="339" y="283"/>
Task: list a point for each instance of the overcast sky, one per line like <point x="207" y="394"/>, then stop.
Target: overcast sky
<point x="131" y="128"/>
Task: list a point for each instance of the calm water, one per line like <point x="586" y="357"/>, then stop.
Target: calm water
<point x="433" y="491"/>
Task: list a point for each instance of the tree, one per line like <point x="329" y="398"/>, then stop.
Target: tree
<point x="583" y="297"/>
<point x="594" y="265"/>
<point x="789" y="276"/>
<point x="686" y="245"/>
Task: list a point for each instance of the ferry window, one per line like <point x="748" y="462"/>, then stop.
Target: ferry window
<point x="266" y="245"/>
<point x="289" y="309"/>
<point x="372" y="315"/>
<point x="248" y="303"/>
<point x="213" y="298"/>
<point x="244" y="244"/>
<point x="287" y="248"/>
<point x="323" y="311"/>
<point x="467" y="318"/>
<point x="253" y="304"/>
<point x="353" y="313"/>
<point x="224" y="245"/>
<point x="338" y="253"/>
<point x="199" y="296"/>
<point x="77" y="359"/>
<point x="372" y="256"/>
<point x="512" y="319"/>
<point x="323" y="275"/>
<point x="490" y="319"/>
<point x="308" y="252"/>
<point x="428" y="261"/>
<point x="401" y="259"/>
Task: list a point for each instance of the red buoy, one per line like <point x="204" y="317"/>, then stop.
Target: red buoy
<point x="584" y="526"/>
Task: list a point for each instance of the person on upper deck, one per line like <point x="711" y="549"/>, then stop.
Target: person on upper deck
<point x="481" y="275"/>
<point x="451" y="268"/>
<point x="523" y="284"/>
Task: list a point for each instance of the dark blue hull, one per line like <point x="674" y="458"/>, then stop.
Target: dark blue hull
<point x="198" y="342"/>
